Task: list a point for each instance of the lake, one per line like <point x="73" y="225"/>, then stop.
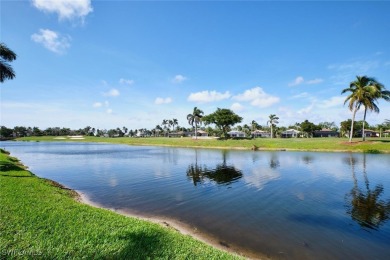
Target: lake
<point x="286" y="205"/>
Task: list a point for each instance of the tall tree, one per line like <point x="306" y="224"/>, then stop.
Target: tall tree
<point x="364" y="91"/>
<point x="273" y="120"/>
<point x="6" y="56"/>
<point x="223" y="119"/>
<point x="309" y="128"/>
<point x="255" y="125"/>
<point x="174" y="122"/>
<point x="164" y="123"/>
<point x="170" y="123"/>
<point x="195" y="118"/>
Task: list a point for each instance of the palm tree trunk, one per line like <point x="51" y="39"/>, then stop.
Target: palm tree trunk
<point x="353" y="120"/>
<point x="364" y="120"/>
<point x="272" y="132"/>
<point x="196" y="131"/>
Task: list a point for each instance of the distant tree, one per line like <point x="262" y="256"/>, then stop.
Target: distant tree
<point x="195" y="119"/>
<point x="309" y="128"/>
<point x="174" y="123"/>
<point x="170" y="123"/>
<point x="328" y="125"/>
<point x="164" y="123"/>
<point x="246" y="129"/>
<point x="345" y="127"/>
<point x="36" y="131"/>
<point x="6" y="56"/>
<point x="255" y="125"/>
<point x="364" y="91"/>
<point x="5" y="132"/>
<point x="124" y="130"/>
<point x="223" y="119"/>
<point x="273" y="120"/>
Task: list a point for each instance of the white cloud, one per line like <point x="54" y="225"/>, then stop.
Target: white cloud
<point x="66" y="9"/>
<point x="307" y="110"/>
<point x="178" y="79"/>
<point x="160" y="101"/>
<point x="314" y="81"/>
<point x="346" y="72"/>
<point x="97" y="104"/>
<point x="208" y="96"/>
<point x="360" y="66"/>
<point x="300" y="95"/>
<point x="106" y="103"/>
<point x="297" y="81"/>
<point x="126" y="81"/>
<point x="52" y="40"/>
<point x="112" y="93"/>
<point x="237" y="107"/>
<point x="109" y="111"/>
<point x="332" y="102"/>
<point x="300" y="80"/>
<point x="257" y="97"/>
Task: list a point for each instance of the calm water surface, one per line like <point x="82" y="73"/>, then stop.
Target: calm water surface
<point x="288" y="205"/>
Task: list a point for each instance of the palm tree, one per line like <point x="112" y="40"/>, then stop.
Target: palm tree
<point x="170" y="123"/>
<point x="195" y="118"/>
<point x="254" y="125"/>
<point x="174" y="122"/>
<point x="6" y="55"/>
<point x="364" y="91"/>
<point x="273" y="120"/>
<point x="164" y="123"/>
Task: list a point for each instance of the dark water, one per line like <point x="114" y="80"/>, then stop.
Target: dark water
<point x="288" y="205"/>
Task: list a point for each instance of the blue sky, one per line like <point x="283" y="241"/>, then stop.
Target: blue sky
<point x="110" y="64"/>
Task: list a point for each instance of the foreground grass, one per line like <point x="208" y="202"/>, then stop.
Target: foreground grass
<point x="303" y="144"/>
<point x="41" y="219"/>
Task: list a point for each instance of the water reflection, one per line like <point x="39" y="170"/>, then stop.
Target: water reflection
<point x="365" y="205"/>
<point x="274" y="162"/>
<point x="307" y="159"/>
<point x="222" y="174"/>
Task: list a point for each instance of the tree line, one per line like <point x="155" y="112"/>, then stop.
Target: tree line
<point x="221" y="128"/>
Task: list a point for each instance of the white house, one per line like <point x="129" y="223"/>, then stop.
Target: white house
<point x="236" y="134"/>
<point x="290" y="133"/>
<point x="201" y="133"/>
<point x="260" y="133"/>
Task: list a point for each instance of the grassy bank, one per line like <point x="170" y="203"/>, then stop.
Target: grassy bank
<point x="302" y="144"/>
<point x="41" y="219"/>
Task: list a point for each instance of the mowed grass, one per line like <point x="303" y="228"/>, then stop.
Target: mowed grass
<point x="39" y="219"/>
<point x="301" y="144"/>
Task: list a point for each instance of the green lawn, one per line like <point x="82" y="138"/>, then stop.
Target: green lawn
<point x="40" y="219"/>
<point x="303" y="144"/>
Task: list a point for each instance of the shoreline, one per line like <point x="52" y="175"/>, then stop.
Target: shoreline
<point x="181" y="227"/>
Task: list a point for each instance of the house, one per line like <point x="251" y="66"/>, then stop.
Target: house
<point x="326" y="133"/>
<point x="201" y="133"/>
<point x="367" y="133"/>
<point x="236" y="134"/>
<point x="290" y="133"/>
<point x="386" y="133"/>
<point x="180" y="134"/>
<point x="260" y="133"/>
